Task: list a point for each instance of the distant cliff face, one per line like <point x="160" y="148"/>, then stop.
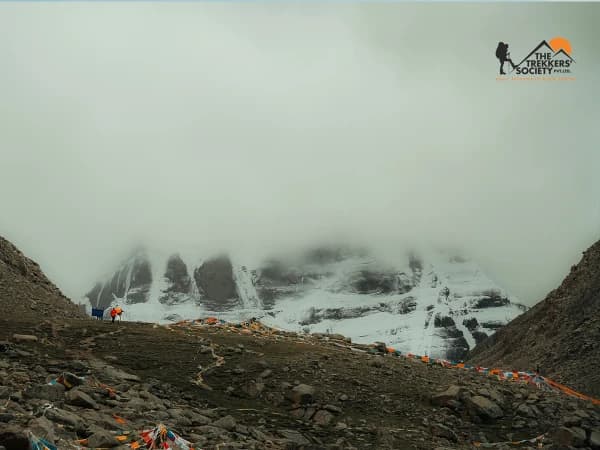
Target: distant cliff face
<point x="324" y="289"/>
<point x="214" y="279"/>
<point x="561" y="334"/>
<point x="131" y="283"/>
<point x="177" y="278"/>
<point x="26" y="291"/>
<point x="211" y="284"/>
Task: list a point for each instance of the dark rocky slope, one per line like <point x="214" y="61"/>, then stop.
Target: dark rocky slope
<point x="561" y="334"/>
<point x="24" y="288"/>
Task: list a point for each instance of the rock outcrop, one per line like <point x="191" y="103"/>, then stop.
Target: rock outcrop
<point x="214" y="279"/>
<point x="560" y="335"/>
<point x="179" y="283"/>
<point x="25" y="290"/>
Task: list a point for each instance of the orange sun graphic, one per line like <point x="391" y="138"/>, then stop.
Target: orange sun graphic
<point x="560" y="43"/>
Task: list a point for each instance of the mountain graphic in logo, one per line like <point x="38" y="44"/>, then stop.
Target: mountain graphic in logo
<point x="541" y="46"/>
<point x="561" y="52"/>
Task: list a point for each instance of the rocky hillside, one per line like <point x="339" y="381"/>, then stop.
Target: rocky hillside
<point x="561" y="334"/>
<point x="25" y="290"/>
<point x="325" y="289"/>
<point x="223" y="388"/>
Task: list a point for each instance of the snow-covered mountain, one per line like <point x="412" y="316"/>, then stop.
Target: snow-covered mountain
<point x="401" y="302"/>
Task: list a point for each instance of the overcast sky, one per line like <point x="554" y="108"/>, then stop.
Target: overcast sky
<point x="261" y="126"/>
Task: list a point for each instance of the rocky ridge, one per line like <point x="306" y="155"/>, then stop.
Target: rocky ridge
<point x="24" y="288"/>
<point x="561" y="334"/>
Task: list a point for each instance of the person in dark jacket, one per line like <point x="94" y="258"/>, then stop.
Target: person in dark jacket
<point x="503" y="55"/>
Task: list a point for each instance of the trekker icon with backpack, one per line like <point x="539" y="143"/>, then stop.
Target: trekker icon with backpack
<point x="503" y="55"/>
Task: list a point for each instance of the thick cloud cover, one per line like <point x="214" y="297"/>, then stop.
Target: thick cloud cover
<point x="261" y="126"/>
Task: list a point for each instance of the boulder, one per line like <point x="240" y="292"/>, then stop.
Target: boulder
<point x="574" y="437"/>
<point x="332" y="408"/>
<point x="493" y="395"/>
<point x="266" y="373"/>
<point x="179" y="417"/>
<point x="376" y="362"/>
<point x="4" y="391"/>
<point x="103" y="420"/>
<point x="253" y="389"/>
<point x="137" y="403"/>
<point x="66" y="418"/>
<point x="295" y="436"/>
<point x="119" y="374"/>
<point x="525" y="411"/>
<point x="227" y="423"/>
<point x="78" y="398"/>
<point x="303" y="413"/>
<point x="50" y="392"/>
<point x="151" y="397"/>
<point x="595" y="440"/>
<point x="437" y="429"/>
<point x="102" y="439"/>
<point x="571" y="421"/>
<point x="13" y="438"/>
<point x="443" y="398"/>
<point x="303" y="393"/>
<point x="322" y="417"/>
<point x="581" y="413"/>
<point x="484" y="408"/>
<point x="43" y="428"/>
<point x="257" y="434"/>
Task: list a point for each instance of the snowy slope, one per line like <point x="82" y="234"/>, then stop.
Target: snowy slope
<point x="400" y="302"/>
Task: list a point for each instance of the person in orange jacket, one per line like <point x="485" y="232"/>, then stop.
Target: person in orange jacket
<point x="113" y="314"/>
